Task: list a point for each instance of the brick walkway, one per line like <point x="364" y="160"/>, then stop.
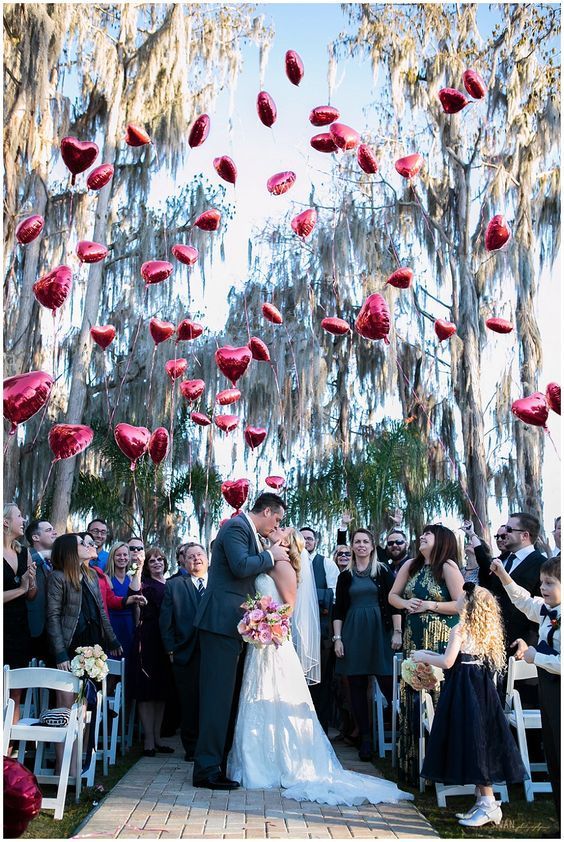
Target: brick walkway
<point x="156" y="800"/>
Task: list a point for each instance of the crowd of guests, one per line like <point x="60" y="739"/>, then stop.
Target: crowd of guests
<point x="65" y="591"/>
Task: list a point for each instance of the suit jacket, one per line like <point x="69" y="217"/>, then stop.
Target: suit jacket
<point x="527" y="575"/>
<point x="37" y="608"/>
<point x="178" y="611"/>
<point x="236" y="561"/>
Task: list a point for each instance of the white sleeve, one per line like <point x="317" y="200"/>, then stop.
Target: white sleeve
<point x="550" y="663"/>
<point x="522" y="599"/>
<point x="331" y="574"/>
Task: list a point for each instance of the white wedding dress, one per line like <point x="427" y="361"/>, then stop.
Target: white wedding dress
<point x="278" y="740"/>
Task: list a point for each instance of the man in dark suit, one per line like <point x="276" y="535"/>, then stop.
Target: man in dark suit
<point x="40" y="536"/>
<point x="179" y="607"/>
<point x="237" y="559"/>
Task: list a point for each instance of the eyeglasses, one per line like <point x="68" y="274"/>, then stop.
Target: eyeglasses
<point x="98" y="531"/>
<point x="500" y="537"/>
<point x="344" y="554"/>
<point x="136" y="549"/>
<point x="510" y="529"/>
<point x="395" y="543"/>
<point x="156" y="558"/>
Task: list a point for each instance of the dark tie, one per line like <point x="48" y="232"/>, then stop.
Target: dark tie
<point x="509" y="562"/>
<point x="201" y="588"/>
<point x="552" y="614"/>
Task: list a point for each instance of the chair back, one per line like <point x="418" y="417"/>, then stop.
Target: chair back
<point x="40" y="677"/>
<point x="115" y="666"/>
<point x="517" y="671"/>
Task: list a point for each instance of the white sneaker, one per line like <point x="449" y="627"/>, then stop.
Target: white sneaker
<point x="469" y="813"/>
<point x="484" y="815"/>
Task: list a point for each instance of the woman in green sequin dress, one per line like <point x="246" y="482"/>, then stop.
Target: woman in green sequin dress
<point x="427" y="589"/>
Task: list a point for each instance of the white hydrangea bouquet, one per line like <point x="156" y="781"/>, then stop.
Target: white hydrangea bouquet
<point x="89" y="663"/>
<point x="421" y="676"/>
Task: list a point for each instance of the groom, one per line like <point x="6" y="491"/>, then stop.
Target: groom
<point x="238" y="557"/>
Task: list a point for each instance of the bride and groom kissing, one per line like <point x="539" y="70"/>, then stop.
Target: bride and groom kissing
<point x="270" y="736"/>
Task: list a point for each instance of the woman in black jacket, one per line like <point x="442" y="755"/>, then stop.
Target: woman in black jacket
<point x="366" y="629"/>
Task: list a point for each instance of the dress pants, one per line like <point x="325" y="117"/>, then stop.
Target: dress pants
<point x="321" y="694"/>
<point x="549" y="698"/>
<point x="187" y="680"/>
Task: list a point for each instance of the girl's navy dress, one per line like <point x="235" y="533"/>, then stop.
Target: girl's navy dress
<point x="471" y="741"/>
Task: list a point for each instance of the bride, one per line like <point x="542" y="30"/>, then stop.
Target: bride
<point x="278" y="740"/>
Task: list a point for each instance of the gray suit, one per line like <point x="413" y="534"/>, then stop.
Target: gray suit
<point x="236" y="561"/>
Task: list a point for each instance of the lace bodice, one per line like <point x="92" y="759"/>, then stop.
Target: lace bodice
<point x="266" y="586"/>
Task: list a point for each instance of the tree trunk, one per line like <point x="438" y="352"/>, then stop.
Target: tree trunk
<point x="77" y="395"/>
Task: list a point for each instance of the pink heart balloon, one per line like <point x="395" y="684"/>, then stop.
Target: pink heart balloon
<point x="29" y="228"/>
<point x="136" y="136"/>
<point x="401" y="278"/>
<point x="89" y="252"/>
<point x="367" y="160"/>
<point x="158" y="445"/>
<point x="24" y="395"/>
<point x="225" y="168"/>
<point x="227" y="423"/>
<point x="553" y="397"/>
<point x="192" y="389"/>
<point x="160" y="331"/>
<point x="409" y="166"/>
<point x="199" y="131"/>
<point x="499" y="325"/>
<point x="100" y="176"/>
<point x="259" y="349"/>
<point x="176" y="368"/>
<point x="345" y="137"/>
<point x="272" y="313"/>
<point x="498" y="233"/>
<point x="188" y="329"/>
<point x="280" y="182"/>
<point x="294" y="67"/>
<point x="452" y="100"/>
<point x="336" y="326"/>
<point x="67" y="440"/>
<point x="233" y="362"/>
<point x="228" y="396"/>
<point x="373" y="321"/>
<point x="235" y="492"/>
<point x="323" y="115"/>
<point x="103" y="335"/>
<point x="185" y="254"/>
<point x="200" y="418"/>
<point x="474" y="84"/>
<point x="532" y="409"/>
<point x="208" y="220"/>
<point x="275" y="482"/>
<point x="156" y="271"/>
<point x="323" y="142"/>
<point x="132" y="441"/>
<point x="444" y="329"/>
<point x="304" y="223"/>
<point x="266" y="109"/>
<point x="254" y="436"/>
<point x="52" y="290"/>
<point x="78" y="155"/>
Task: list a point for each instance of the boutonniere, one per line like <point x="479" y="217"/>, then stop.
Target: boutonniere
<point x="555" y="623"/>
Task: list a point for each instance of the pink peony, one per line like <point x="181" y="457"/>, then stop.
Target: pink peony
<point x="256" y="615"/>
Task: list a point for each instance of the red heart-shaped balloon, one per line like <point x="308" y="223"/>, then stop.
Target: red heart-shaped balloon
<point x="24" y="395"/>
<point x="275" y="482"/>
<point x="160" y="331"/>
<point x="409" y="166"/>
<point x="280" y="182"/>
<point x="373" y="321"/>
<point x="199" y="131"/>
<point x="187" y="329"/>
<point x="497" y="233"/>
<point x="474" y="84"/>
<point x="192" y="389"/>
<point x="185" y="254"/>
<point x="176" y="368"/>
<point x="78" y="155"/>
<point x="444" y="329"/>
<point x="225" y="168"/>
<point x="66" y="440"/>
<point x="367" y="159"/>
<point x="208" y="220"/>
<point x="294" y="67"/>
<point x="401" y="278"/>
<point x="272" y="313"/>
<point x="304" y="223"/>
<point x="336" y="326"/>
<point x="499" y="325"/>
<point x="52" y="290"/>
<point x="259" y="350"/>
<point x="254" y="436"/>
<point x="452" y="100"/>
<point x="103" y="336"/>
<point x="228" y="396"/>
<point x="235" y="492"/>
<point x="200" y="418"/>
<point x="345" y="137"/>
<point x="22" y="798"/>
<point x="136" y="135"/>
<point x="532" y="409"/>
<point x="89" y="252"/>
<point x="99" y="176"/>
<point x="227" y="423"/>
<point x="553" y="397"/>
<point x="323" y="142"/>
<point x="233" y="362"/>
<point x="156" y="271"/>
<point x="323" y="115"/>
<point x="132" y="441"/>
<point x="158" y="445"/>
<point x="29" y="228"/>
<point x="266" y="109"/>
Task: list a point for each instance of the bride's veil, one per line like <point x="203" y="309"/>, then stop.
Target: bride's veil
<point x="306" y="633"/>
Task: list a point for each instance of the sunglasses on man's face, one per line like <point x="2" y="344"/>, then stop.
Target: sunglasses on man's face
<point x="395" y="543"/>
<point x="500" y="537"/>
<point x="136" y="549"/>
<point x="510" y="529"/>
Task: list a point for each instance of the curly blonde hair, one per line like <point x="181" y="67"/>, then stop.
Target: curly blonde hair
<point x="482" y="623"/>
<point x="295" y="547"/>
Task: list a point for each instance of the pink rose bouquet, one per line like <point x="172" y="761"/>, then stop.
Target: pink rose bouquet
<point x="421" y="676"/>
<point x="264" y="622"/>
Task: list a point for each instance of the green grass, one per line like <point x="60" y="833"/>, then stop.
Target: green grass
<point x="521" y="819"/>
<point x="44" y="826"/>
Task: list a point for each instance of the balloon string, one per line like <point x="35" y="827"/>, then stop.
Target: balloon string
<point x="392" y="244"/>
<point x="294" y="362"/>
<point x="106" y="386"/>
<point x="278" y="390"/>
<point x="441" y="442"/>
<point x="208" y="467"/>
<point x="422" y="209"/>
<point x="547" y="431"/>
<point x="138" y="521"/>
<point x="37" y="509"/>
<point x="42" y="419"/>
<point x="130" y="356"/>
<point x="151" y="375"/>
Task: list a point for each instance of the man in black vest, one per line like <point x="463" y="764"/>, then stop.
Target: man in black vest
<point x="326" y="574"/>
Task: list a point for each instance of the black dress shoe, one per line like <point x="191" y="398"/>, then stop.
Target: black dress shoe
<point x="149" y="752"/>
<point x="164" y="749"/>
<point x="216" y="782"/>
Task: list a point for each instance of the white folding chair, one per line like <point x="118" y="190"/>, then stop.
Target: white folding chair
<point x="378" y="733"/>
<point x="524" y="720"/>
<point x="89" y="768"/>
<point x="8" y="722"/>
<point x="396" y="677"/>
<point x="27" y="730"/>
<point x="443" y="791"/>
<point x="116" y="704"/>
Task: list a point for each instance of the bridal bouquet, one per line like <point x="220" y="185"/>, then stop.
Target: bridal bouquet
<point x="90" y="662"/>
<point x="264" y="622"/>
<point x="420" y="676"/>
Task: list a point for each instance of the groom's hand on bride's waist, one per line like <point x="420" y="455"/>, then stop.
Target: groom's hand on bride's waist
<point x="279" y="553"/>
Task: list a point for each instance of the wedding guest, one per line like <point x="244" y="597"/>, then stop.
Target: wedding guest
<point x="342" y="556"/>
<point x="19" y="587"/>
<point x="427" y="589"/>
<point x="136" y="548"/>
<point x="556" y="532"/>
<point x="40" y="535"/>
<point x="395" y="553"/>
<point x="326" y="573"/>
<point x="362" y="624"/>
<point x="181" y="561"/>
<point x="122" y="617"/>
<point x="98" y="529"/>
<point x="543" y="610"/>
<point x="500" y="538"/>
<point x="151" y="670"/>
<point x="471" y="741"/>
<point x="182" y="597"/>
<point x="478" y="557"/>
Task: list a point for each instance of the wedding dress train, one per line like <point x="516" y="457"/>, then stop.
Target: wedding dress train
<point x="278" y="740"/>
